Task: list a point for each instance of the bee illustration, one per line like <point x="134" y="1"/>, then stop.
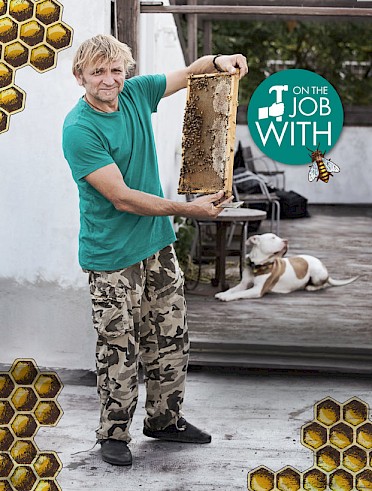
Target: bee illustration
<point x="321" y="168"/>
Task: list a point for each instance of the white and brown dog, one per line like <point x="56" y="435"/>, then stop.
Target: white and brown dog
<point x="267" y="271"/>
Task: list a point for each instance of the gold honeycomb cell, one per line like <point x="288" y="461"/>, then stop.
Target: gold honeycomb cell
<point x="59" y="35"/>
<point x="288" y="479"/>
<point x="354" y="459"/>
<point x="12" y="99"/>
<point x="6" y="439"/>
<point x="261" y="479"/>
<point x="24" y="398"/>
<point x="314" y="435"/>
<point x="23" y="478"/>
<point x="47" y="485"/>
<point x="327" y="412"/>
<point x="24" y="425"/>
<point x="6" y="385"/>
<point x="32" y="32"/>
<point x="42" y="58"/>
<point x="4" y="122"/>
<point x="363" y="481"/>
<point x="328" y="459"/>
<point x="24" y="372"/>
<point x="3" y="6"/>
<point x="341" y="480"/>
<point x="48" y="385"/>
<point x="6" y="75"/>
<point x="341" y="435"/>
<point x="21" y="10"/>
<point x="16" y="54"/>
<point x="5" y="486"/>
<point x="23" y="451"/>
<point x="314" y="480"/>
<point x="8" y="30"/>
<point x="48" y="412"/>
<point x="47" y="465"/>
<point x="355" y="412"/>
<point x="6" y="464"/>
<point x="364" y="435"/>
<point x="6" y="412"/>
<point x="48" y="11"/>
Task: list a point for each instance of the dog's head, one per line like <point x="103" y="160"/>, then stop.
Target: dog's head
<point x="266" y="247"/>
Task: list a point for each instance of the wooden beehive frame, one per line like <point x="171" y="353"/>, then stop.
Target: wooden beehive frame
<point x="208" y="135"/>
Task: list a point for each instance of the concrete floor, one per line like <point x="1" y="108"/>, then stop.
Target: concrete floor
<point x="255" y="419"/>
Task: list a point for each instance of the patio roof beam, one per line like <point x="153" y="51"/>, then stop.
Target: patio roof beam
<point x="147" y="8"/>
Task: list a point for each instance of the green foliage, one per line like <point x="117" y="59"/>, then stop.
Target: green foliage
<point x="340" y="51"/>
<point x="185" y="233"/>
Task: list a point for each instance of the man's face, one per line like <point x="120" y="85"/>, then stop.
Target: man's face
<point x="103" y="81"/>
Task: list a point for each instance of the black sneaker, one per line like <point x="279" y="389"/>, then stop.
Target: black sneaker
<point x="115" y="452"/>
<point x="182" y="432"/>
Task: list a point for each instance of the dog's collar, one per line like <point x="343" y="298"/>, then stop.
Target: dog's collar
<point x="258" y="269"/>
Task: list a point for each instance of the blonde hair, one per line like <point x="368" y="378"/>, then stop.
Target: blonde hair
<point x="104" y="48"/>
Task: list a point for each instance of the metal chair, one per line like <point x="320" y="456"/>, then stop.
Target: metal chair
<point x="265" y="167"/>
<point x="271" y="199"/>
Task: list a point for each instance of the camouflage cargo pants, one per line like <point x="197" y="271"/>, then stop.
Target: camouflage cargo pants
<point x="139" y="313"/>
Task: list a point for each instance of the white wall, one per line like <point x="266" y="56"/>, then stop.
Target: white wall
<point x="352" y="153"/>
<point x="44" y="300"/>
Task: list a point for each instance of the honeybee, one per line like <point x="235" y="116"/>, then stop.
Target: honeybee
<point x="321" y="168"/>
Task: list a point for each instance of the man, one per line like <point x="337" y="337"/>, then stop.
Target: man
<point x="125" y="242"/>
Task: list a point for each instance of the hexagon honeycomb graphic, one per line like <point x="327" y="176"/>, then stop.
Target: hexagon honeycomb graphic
<point x="340" y="437"/>
<point x="28" y="401"/>
<point x="31" y="34"/>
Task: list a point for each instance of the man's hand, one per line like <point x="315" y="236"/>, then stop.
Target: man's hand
<point x="230" y="63"/>
<point x="206" y="206"/>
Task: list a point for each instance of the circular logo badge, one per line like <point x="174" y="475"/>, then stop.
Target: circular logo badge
<point x="292" y="113"/>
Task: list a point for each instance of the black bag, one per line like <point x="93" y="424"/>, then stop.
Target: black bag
<point x="292" y="204"/>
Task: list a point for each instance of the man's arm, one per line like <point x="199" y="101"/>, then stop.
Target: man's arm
<point x="227" y="63"/>
<point x="110" y="183"/>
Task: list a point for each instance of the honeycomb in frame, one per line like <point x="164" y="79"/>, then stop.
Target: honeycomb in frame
<point x="31" y="34"/>
<point x="208" y="134"/>
<point x="27" y="402"/>
<point x="340" y="436"/>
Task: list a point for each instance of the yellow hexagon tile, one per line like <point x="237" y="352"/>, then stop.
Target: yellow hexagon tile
<point x="6" y="412"/>
<point x="6" y="75"/>
<point x="24" y="425"/>
<point x="364" y="480"/>
<point x="47" y="485"/>
<point x="8" y="29"/>
<point x="23" y="478"/>
<point x="48" y="385"/>
<point x="288" y="479"/>
<point x="43" y="58"/>
<point x="31" y="34"/>
<point x="48" y="11"/>
<point x="47" y="465"/>
<point x="24" y="451"/>
<point x="24" y="372"/>
<point x="355" y="411"/>
<point x="341" y="480"/>
<point x="6" y="464"/>
<point x="261" y="479"/>
<point x="27" y="401"/>
<point x="21" y="10"/>
<point x="340" y="436"/>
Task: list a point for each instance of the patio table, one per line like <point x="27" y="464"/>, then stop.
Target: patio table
<point x="225" y="219"/>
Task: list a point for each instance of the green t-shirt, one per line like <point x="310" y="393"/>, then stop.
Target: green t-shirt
<point x="110" y="239"/>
